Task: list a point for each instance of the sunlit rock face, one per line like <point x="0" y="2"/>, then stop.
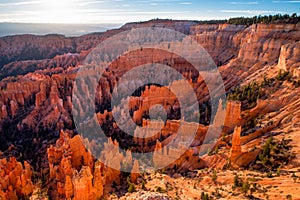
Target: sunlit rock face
<point x="236" y="149"/>
<point x="73" y="173"/>
<point x="237" y="49"/>
<point x="36" y="103"/>
<point x="289" y="58"/>
<point x="221" y="36"/>
<point x="15" y="179"/>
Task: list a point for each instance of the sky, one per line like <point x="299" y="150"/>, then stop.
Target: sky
<point x="122" y="11"/>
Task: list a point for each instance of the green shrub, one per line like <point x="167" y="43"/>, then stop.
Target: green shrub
<point x="295" y="177"/>
<point x="245" y="187"/>
<point x="296" y="83"/>
<point x="131" y="188"/>
<point x="284" y="75"/>
<point x="274" y="155"/>
<point x="270" y="175"/>
<point x="204" y="196"/>
<point x="143" y="185"/>
<point x="278" y="171"/>
<point x="237" y="182"/>
<point x="247" y="94"/>
<point x="160" y="190"/>
<point x="214" y="176"/>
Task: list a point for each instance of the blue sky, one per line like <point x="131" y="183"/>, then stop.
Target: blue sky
<point x="121" y="11"/>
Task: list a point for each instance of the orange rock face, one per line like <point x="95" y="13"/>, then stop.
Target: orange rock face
<point x="42" y="100"/>
<point x="213" y="37"/>
<point x="151" y="96"/>
<point x="289" y="59"/>
<point x="74" y="174"/>
<point x="15" y="180"/>
<point x="239" y="158"/>
<point x="236" y="149"/>
<point x="14" y="97"/>
<point x="233" y="115"/>
<point x="80" y="155"/>
<point x="83" y="185"/>
<point x="41" y="95"/>
<point x="72" y="168"/>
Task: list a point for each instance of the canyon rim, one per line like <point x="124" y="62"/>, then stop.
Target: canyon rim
<point x="159" y="109"/>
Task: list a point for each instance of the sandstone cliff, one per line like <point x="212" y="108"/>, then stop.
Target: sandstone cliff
<point x="37" y="103"/>
<point x="289" y="59"/>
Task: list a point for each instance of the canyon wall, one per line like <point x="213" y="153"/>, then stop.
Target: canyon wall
<point x="238" y="45"/>
<point x="36" y="102"/>
<point x="258" y="43"/>
<point x="289" y="59"/>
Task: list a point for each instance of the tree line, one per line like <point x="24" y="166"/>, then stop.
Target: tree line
<point x="278" y="18"/>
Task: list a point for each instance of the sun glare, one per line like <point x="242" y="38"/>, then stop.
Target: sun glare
<point x="60" y="11"/>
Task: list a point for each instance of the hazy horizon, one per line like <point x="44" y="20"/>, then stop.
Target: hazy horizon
<point x="79" y="17"/>
<point x="122" y="11"/>
<point x="73" y="29"/>
<point x="69" y="30"/>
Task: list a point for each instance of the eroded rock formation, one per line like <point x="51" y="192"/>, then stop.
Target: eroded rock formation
<point x="289" y="59"/>
<point x="236" y="149"/>
<point x="15" y="180"/>
<point x="73" y="173"/>
<point x="39" y="101"/>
